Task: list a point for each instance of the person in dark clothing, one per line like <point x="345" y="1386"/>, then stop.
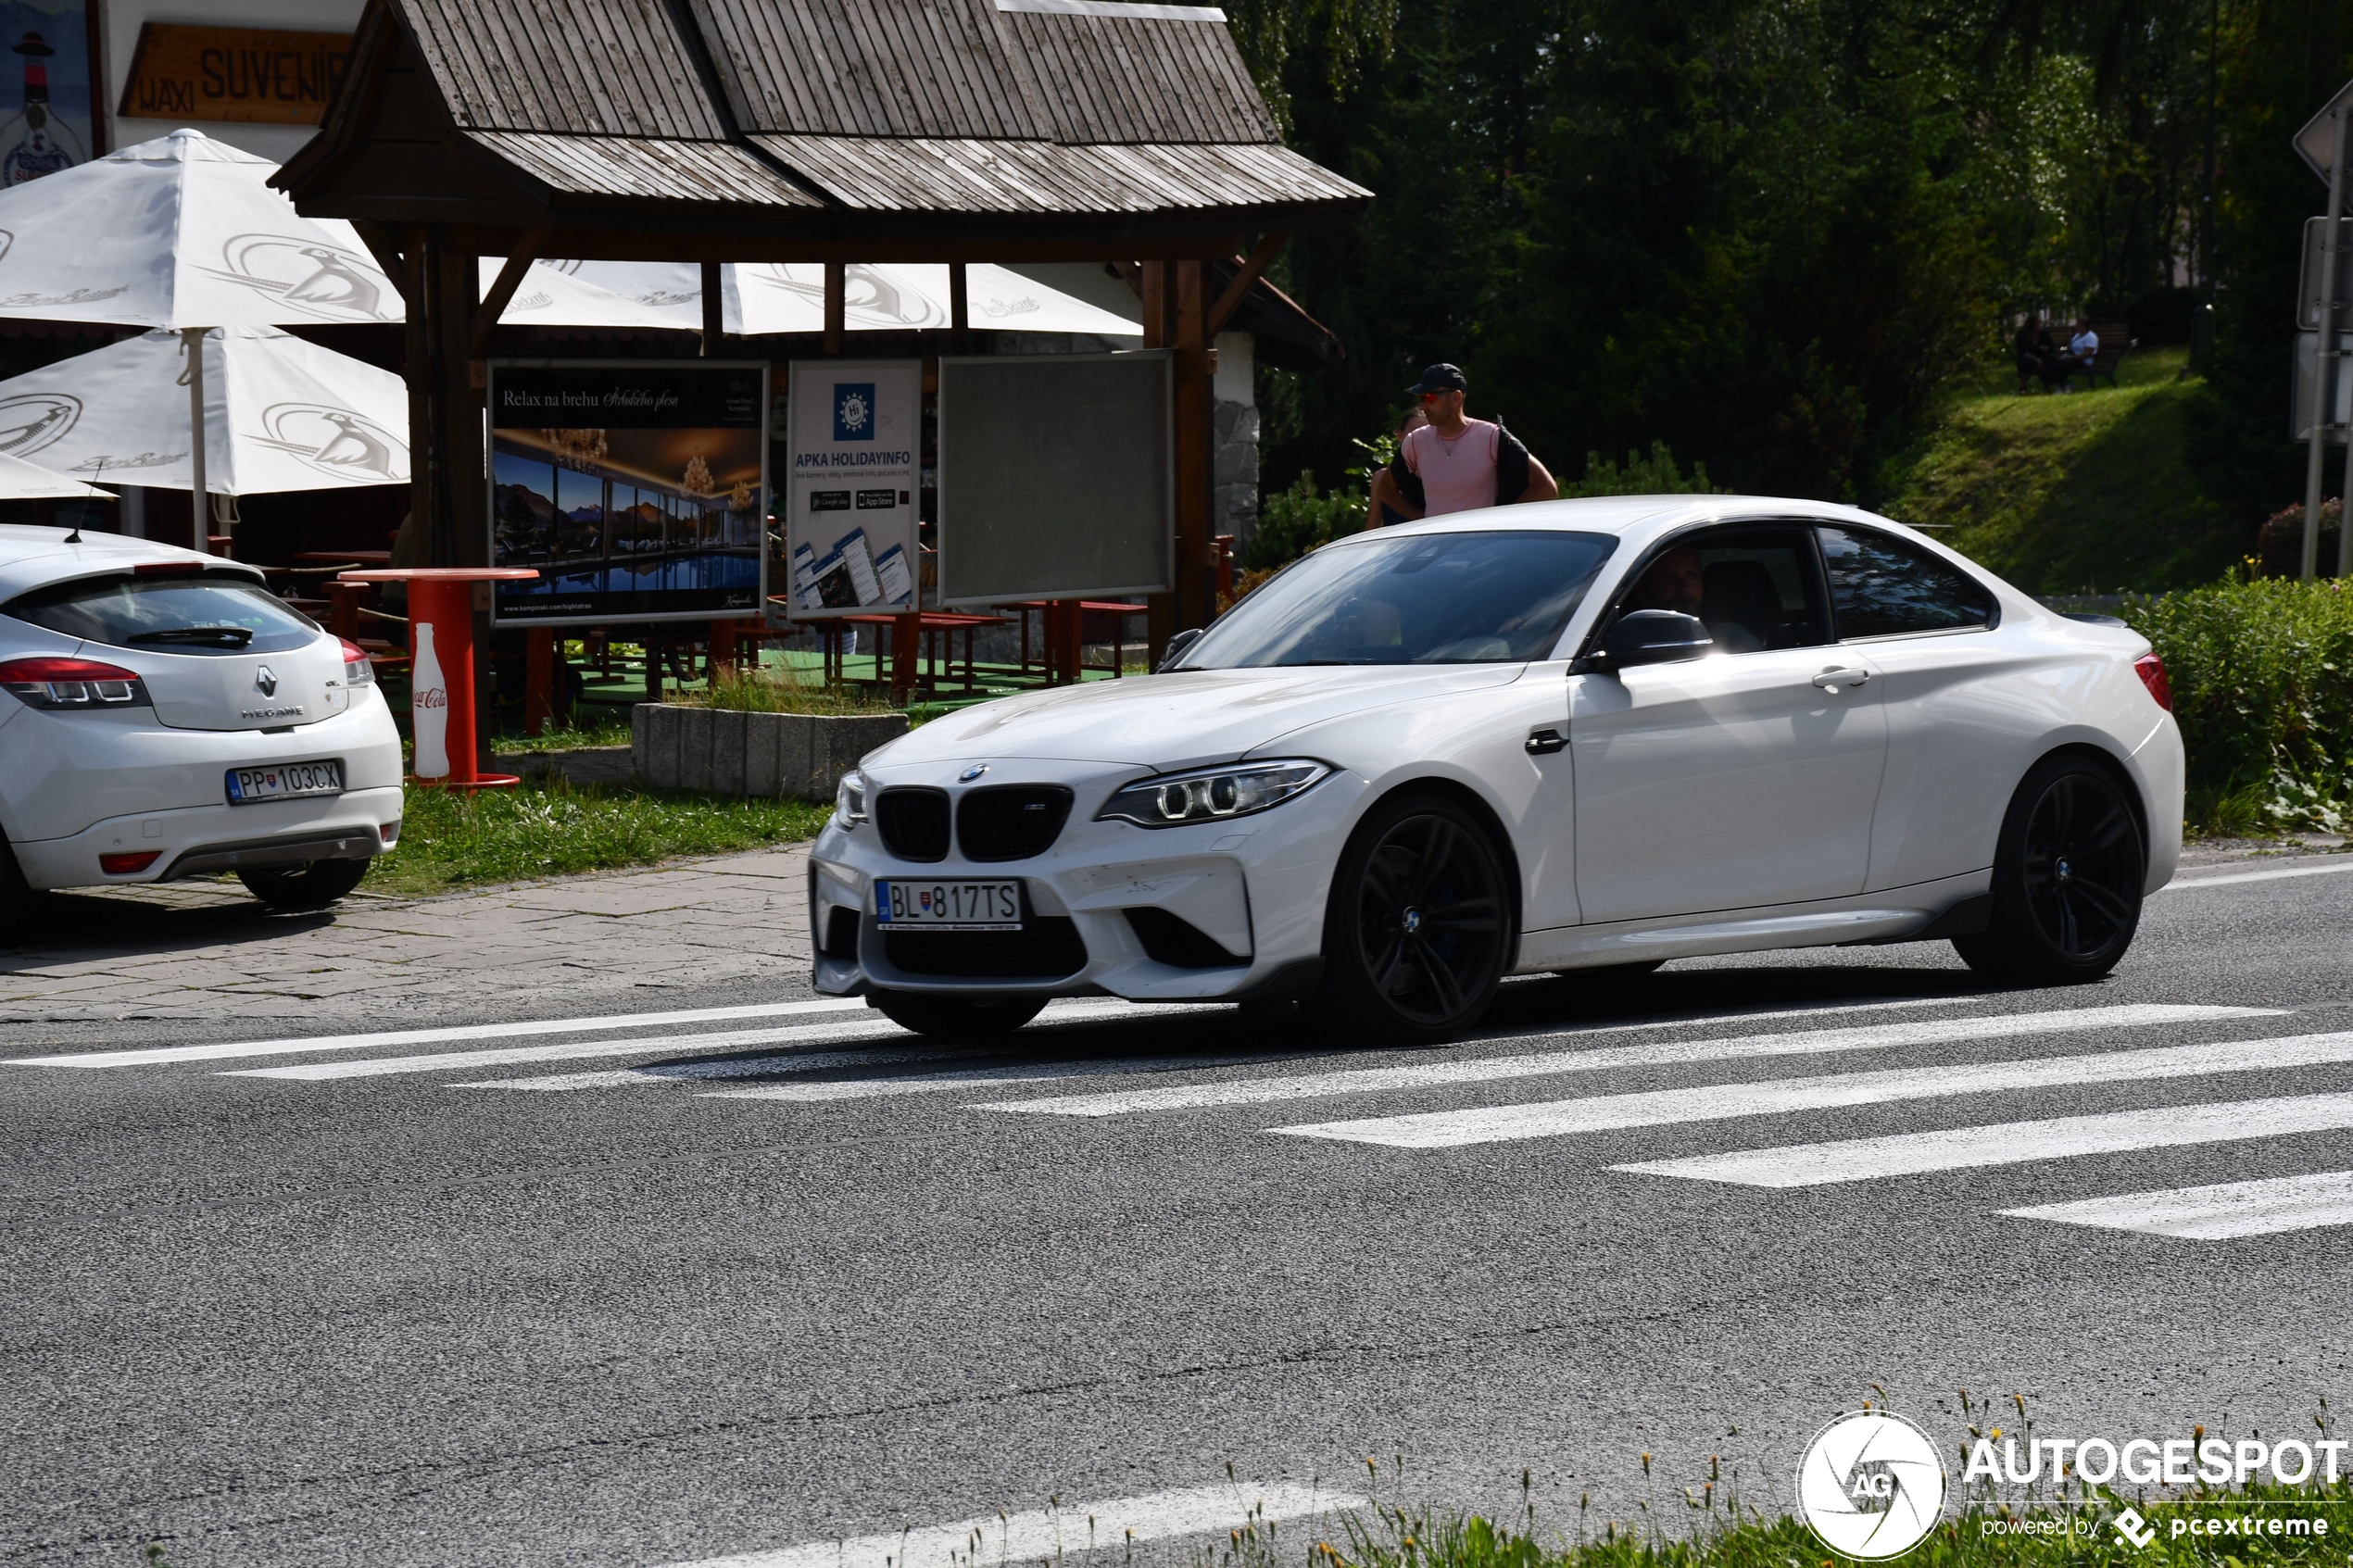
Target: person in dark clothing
<point x="2038" y="356"/>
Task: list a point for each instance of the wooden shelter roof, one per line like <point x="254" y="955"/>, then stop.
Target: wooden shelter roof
<point x="894" y="128"/>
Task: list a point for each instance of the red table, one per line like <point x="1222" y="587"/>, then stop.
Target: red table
<point x="441" y="680"/>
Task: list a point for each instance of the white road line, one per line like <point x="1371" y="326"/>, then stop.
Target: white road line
<point x="2273" y="876"/>
<point x="2009" y="1143"/>
<point x="872" y="1026"/>
<point x="674" y="1072"/>
<point x="319" y="1043"/>
<point x="936" y="1082"/>
<point x="573" y="1050"/>
<point x="2217" y="1213"/>
<point x="1870" y="1037"/>
<point x="1714" y="1102"/>
<point x="1043" y="1535"/>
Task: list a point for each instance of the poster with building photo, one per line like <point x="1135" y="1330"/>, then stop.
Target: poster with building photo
<point x="853" y="434"/>
<point x="45" y="88"/>
<point x="639" y="488"/>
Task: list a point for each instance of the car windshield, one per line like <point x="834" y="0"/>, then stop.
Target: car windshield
<point x="1473" y="597"/>
<point x="214" y="612"/>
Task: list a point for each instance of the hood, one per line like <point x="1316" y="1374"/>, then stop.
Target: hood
<point x="1179" y="720"/>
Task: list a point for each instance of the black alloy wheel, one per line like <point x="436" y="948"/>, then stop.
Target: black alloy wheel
<point x="311" y="885"/>
<point x="1418" y="927"/>
<point x="966" y="1018"/>
<point x="2067" y="879"/>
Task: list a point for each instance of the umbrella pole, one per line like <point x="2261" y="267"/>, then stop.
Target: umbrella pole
<point x="194" y="338"/>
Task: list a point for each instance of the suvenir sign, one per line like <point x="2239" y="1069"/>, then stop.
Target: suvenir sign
<point x="232" y="73"/>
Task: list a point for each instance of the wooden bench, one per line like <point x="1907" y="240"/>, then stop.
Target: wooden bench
<point x="2116" y="341"/>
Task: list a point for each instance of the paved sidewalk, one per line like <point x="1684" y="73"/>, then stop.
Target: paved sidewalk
<point x="206" y="951"/>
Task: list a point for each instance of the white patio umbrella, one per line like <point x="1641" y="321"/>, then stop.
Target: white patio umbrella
<point x="185" y="233"/>
<point x="549" y="296"/>
<point x="790" y="298"/>
<point x="20" y="481"/>
<point x="279" y="414"/>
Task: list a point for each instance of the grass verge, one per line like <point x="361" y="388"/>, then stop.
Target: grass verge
<point x="2073" y="1533"/>
<point x="2092" y="493"/>
<point x="450" y="839"/>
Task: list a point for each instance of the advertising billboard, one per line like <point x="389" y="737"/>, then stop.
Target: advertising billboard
<point x="637" y="487"/>
<point x="855" y="436"/>
<point x="1056" y="477"/>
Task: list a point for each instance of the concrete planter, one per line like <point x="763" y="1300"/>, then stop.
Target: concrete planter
<point x="725" y="751"/>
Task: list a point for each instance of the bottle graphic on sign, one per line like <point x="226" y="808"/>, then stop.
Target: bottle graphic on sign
<point x="429" y="709"/>
<point x="35" y="142"/>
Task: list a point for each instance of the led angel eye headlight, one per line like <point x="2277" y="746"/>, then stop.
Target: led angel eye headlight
<point x="1211" y="793"/>
<point x="849" y="800"/>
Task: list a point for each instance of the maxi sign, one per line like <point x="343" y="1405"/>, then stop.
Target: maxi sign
<point x="637" y="487"/>
<point x="854" y="431"/>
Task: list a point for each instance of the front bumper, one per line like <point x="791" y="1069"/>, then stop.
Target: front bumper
<point x="1255" y="886"/>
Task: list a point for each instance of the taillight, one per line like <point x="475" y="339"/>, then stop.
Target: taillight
<point x="72" y="682"/>
<point x="390" y="832"/>
<point x="357" y="670"/>
<point x="2151" y="670"/>
<point x="127" y="865"/>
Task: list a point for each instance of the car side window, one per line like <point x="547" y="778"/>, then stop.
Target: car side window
<point x="1883" y="586"/>
<point x="1754" y="588"/>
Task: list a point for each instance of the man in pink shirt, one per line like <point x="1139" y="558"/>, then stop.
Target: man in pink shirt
<point x="1453" y="464"/>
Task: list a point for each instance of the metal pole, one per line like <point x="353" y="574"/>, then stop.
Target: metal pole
<point x="193" y="338"/>
<point x="2324" y="362"/>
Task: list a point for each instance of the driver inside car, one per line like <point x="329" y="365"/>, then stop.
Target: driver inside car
<point x="1719" y="595"/>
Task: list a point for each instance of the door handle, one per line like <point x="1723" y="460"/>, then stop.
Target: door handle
<point x="1544" y="743"/>
<point x="1832" y="678"/>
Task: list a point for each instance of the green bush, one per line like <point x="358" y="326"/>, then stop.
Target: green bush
<point x="1293" y="522"/>
<point x="2262" y="675"/>
<point x="1654" y="475"/>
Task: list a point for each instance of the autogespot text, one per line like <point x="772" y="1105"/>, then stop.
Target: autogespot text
<point x="2145" y="1462"/>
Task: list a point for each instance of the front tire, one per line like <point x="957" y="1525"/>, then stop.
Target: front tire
<point x="1419" y="926"/>
<point x="964" y="1017"/>
<point x="2068" y="873"/>
<point x="313" y="885"/>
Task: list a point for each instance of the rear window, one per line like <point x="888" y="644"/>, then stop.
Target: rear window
<point x="215" y="613"/>
<point x="1881" y="586"/>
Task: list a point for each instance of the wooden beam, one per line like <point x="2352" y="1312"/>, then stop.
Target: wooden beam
<point x="959" y="315"/>
<point x="836" y="308"/>
<point x="384" y="242"/>
<point x="511" y="276"/>
<point x="1196" y="595"/>
<point x="714" y="308"/>
<point x="1237" y="291"/>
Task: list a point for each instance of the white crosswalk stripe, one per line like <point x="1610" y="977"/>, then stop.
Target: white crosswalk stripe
<point x="1455" y="1129"/>
<point x="2008" y="1143"/>
<point x="1481" y="1069"/>
<point x="2220" y="1212"/>
<point x="1044" y="1534"/>
<point x="1023" y="1073"/>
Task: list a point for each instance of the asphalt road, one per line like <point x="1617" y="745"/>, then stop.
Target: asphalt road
<point x="608" y="1295"/>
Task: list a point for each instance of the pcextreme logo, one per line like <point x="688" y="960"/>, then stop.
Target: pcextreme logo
<point x="1870" y="1486"/>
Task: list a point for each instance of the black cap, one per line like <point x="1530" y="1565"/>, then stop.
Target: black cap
<point x="1438" y="378"/>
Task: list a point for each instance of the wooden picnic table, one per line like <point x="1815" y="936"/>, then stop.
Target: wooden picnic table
<point x="945" y="623"/>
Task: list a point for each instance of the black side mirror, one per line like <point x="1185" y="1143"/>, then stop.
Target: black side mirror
<point x="1649" y="636"/>
<point x="1177" y="647"/>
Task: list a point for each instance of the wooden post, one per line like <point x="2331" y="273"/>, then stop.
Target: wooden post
<point x="906" y="648"/>
<point x="724" y="645"/>
<point x="836" y="310"/>
<point x="960" y="320"/>
<point x="1069" y="651"/>
<point x="714" y="310"/>
<point x="538" y="678"/>
<point x="1151" y="290"/>
<point x="1196" y="592"/>
<point x="345" y="599"/>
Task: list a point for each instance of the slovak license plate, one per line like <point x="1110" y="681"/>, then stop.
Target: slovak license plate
<point x="290" y="782"/>
<point x="948" y="906"/>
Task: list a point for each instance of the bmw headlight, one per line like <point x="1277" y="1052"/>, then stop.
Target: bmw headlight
<point x="1209" y="795"/>
<point x="849" y="799"/>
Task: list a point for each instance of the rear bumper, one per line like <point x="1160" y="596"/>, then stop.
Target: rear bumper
<point x="197" y="840"/>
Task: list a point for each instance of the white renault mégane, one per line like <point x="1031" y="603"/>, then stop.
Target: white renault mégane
<point x="1544" y="737"/>
<point x="167" y="715"/>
